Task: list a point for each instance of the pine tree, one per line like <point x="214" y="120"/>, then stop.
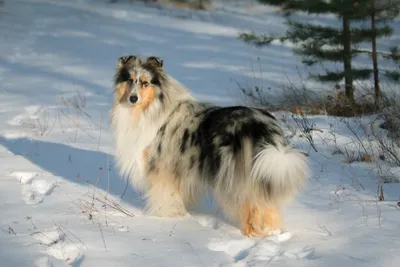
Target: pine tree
<point x="379" y="13"/>
<point x="394" y="56"/>
<point x="317" y="44"/>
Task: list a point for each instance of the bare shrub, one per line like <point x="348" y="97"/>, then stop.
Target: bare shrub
<point x="75" y="112"/>
<point x="41" y="122"/>
<point x="389" y="139"/>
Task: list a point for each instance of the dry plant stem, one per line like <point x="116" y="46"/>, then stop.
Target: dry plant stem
<point x="102" y="236"/>
<point x="77" y="238"/>
<point x="38" y="231"/>
<point x="355" y="178"/>
<point x="93" y="197"/>
<point x="75" y="121"/>
<point x="306" y="128"/>
<point x="79" y="105"/>
<point x="126" y="188"/>
<point x="323" y="227"/>
<point x="116" y="206"/>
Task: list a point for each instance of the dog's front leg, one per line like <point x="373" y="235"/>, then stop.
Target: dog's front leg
<point x="163" y="197"/>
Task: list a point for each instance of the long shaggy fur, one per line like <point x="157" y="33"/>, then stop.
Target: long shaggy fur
<point x="173" y="148"/>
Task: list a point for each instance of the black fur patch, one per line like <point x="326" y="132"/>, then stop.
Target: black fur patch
<point x="161" y="98"/>
<point x="157" y="76"/>
<point x="122" y="76"/>
<point x="226" y="128"/>
<point x="161" y="131"/>
<point x="152" y="165"/>
<point x="194" y="140"/>
<point x="266" y="113"/>
<point x="159" y="148"/>
<point x="184" y="140"/>
<point x="192" y="161"/>
<point x="267" y="188"/>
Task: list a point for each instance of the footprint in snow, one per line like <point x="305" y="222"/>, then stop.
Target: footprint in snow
<point x="252" y="252"/>
<point x="33" y="190"/>
<point x="50" y="262"/>
<point x="60" y="252"/>
<point x="24" y="177"/>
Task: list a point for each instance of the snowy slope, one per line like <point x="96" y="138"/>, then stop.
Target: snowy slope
<point x="61" y="201"/>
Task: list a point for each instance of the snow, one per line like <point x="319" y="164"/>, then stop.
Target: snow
<point x="61" y="200"/>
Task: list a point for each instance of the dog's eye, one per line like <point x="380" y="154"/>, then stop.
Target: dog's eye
<point x="130" y="81"/>
<point x="145" y="84"/>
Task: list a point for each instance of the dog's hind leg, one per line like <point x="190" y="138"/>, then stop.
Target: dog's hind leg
<point x="257" y="220"/>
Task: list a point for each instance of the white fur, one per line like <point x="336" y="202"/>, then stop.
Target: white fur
<point x="164" y="200"/>
<point x="284" y="168"/>
<point x="131" y="139"/>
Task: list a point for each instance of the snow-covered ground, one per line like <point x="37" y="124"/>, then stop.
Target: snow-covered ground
<point x="61" y="201"/>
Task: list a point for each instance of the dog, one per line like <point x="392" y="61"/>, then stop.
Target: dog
<point x="173" y="148"/>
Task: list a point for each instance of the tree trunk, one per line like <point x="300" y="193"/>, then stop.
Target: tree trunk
<point x="374" y="57"/>
<point x="201" y="4"/>
<point x="348" y="76"/>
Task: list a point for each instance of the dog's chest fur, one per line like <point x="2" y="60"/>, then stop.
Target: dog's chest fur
<point x="131" y="139"/>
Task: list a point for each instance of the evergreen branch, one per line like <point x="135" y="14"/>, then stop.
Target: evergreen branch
<point x="382" y="10"/>
<point x="332" y="36"/>
<point x="310" y="6"/>
<point x="359" y="35"/>
<point x="392" y="75"/>
<point x="257" y="40"/>
<point x="369" y="53"/>
<point x="316" y="52"/>
<point x="331" y="76"/>
<point x="394" y="53"/>
<point x="306" y="31"/>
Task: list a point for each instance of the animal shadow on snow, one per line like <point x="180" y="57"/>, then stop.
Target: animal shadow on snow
<point x="74" y="164"/>
<point x="83" y="167"/>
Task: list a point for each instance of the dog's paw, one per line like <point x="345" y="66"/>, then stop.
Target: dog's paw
<point x="251" y="231"/>
<point x="166" y="211"/>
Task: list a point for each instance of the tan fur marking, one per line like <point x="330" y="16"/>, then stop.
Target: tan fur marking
<point x="146" y="157"/>
<point x="147" y="96"/>
<point x="258" y="221"/>
<point x="122" y="90"/>
<point x="247" y="228"/>
<point x="272" y="218"/>
<point x="146" y="153"/>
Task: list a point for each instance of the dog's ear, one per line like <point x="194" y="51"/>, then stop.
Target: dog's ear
<point x="155" y="61"/>
<point x="122" y="61"/>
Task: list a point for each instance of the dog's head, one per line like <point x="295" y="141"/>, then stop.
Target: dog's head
<point x="141" y="84"/>
<point x="127" y="67"/>
<point x="138" y="81"/>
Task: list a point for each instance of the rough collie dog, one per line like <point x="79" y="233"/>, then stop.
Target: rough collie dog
<point x="173" y="148"/>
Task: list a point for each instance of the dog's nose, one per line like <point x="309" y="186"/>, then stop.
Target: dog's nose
<point x="132" y="99"/>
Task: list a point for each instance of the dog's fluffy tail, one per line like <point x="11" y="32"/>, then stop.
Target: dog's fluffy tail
<point x="280" y="172"/>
